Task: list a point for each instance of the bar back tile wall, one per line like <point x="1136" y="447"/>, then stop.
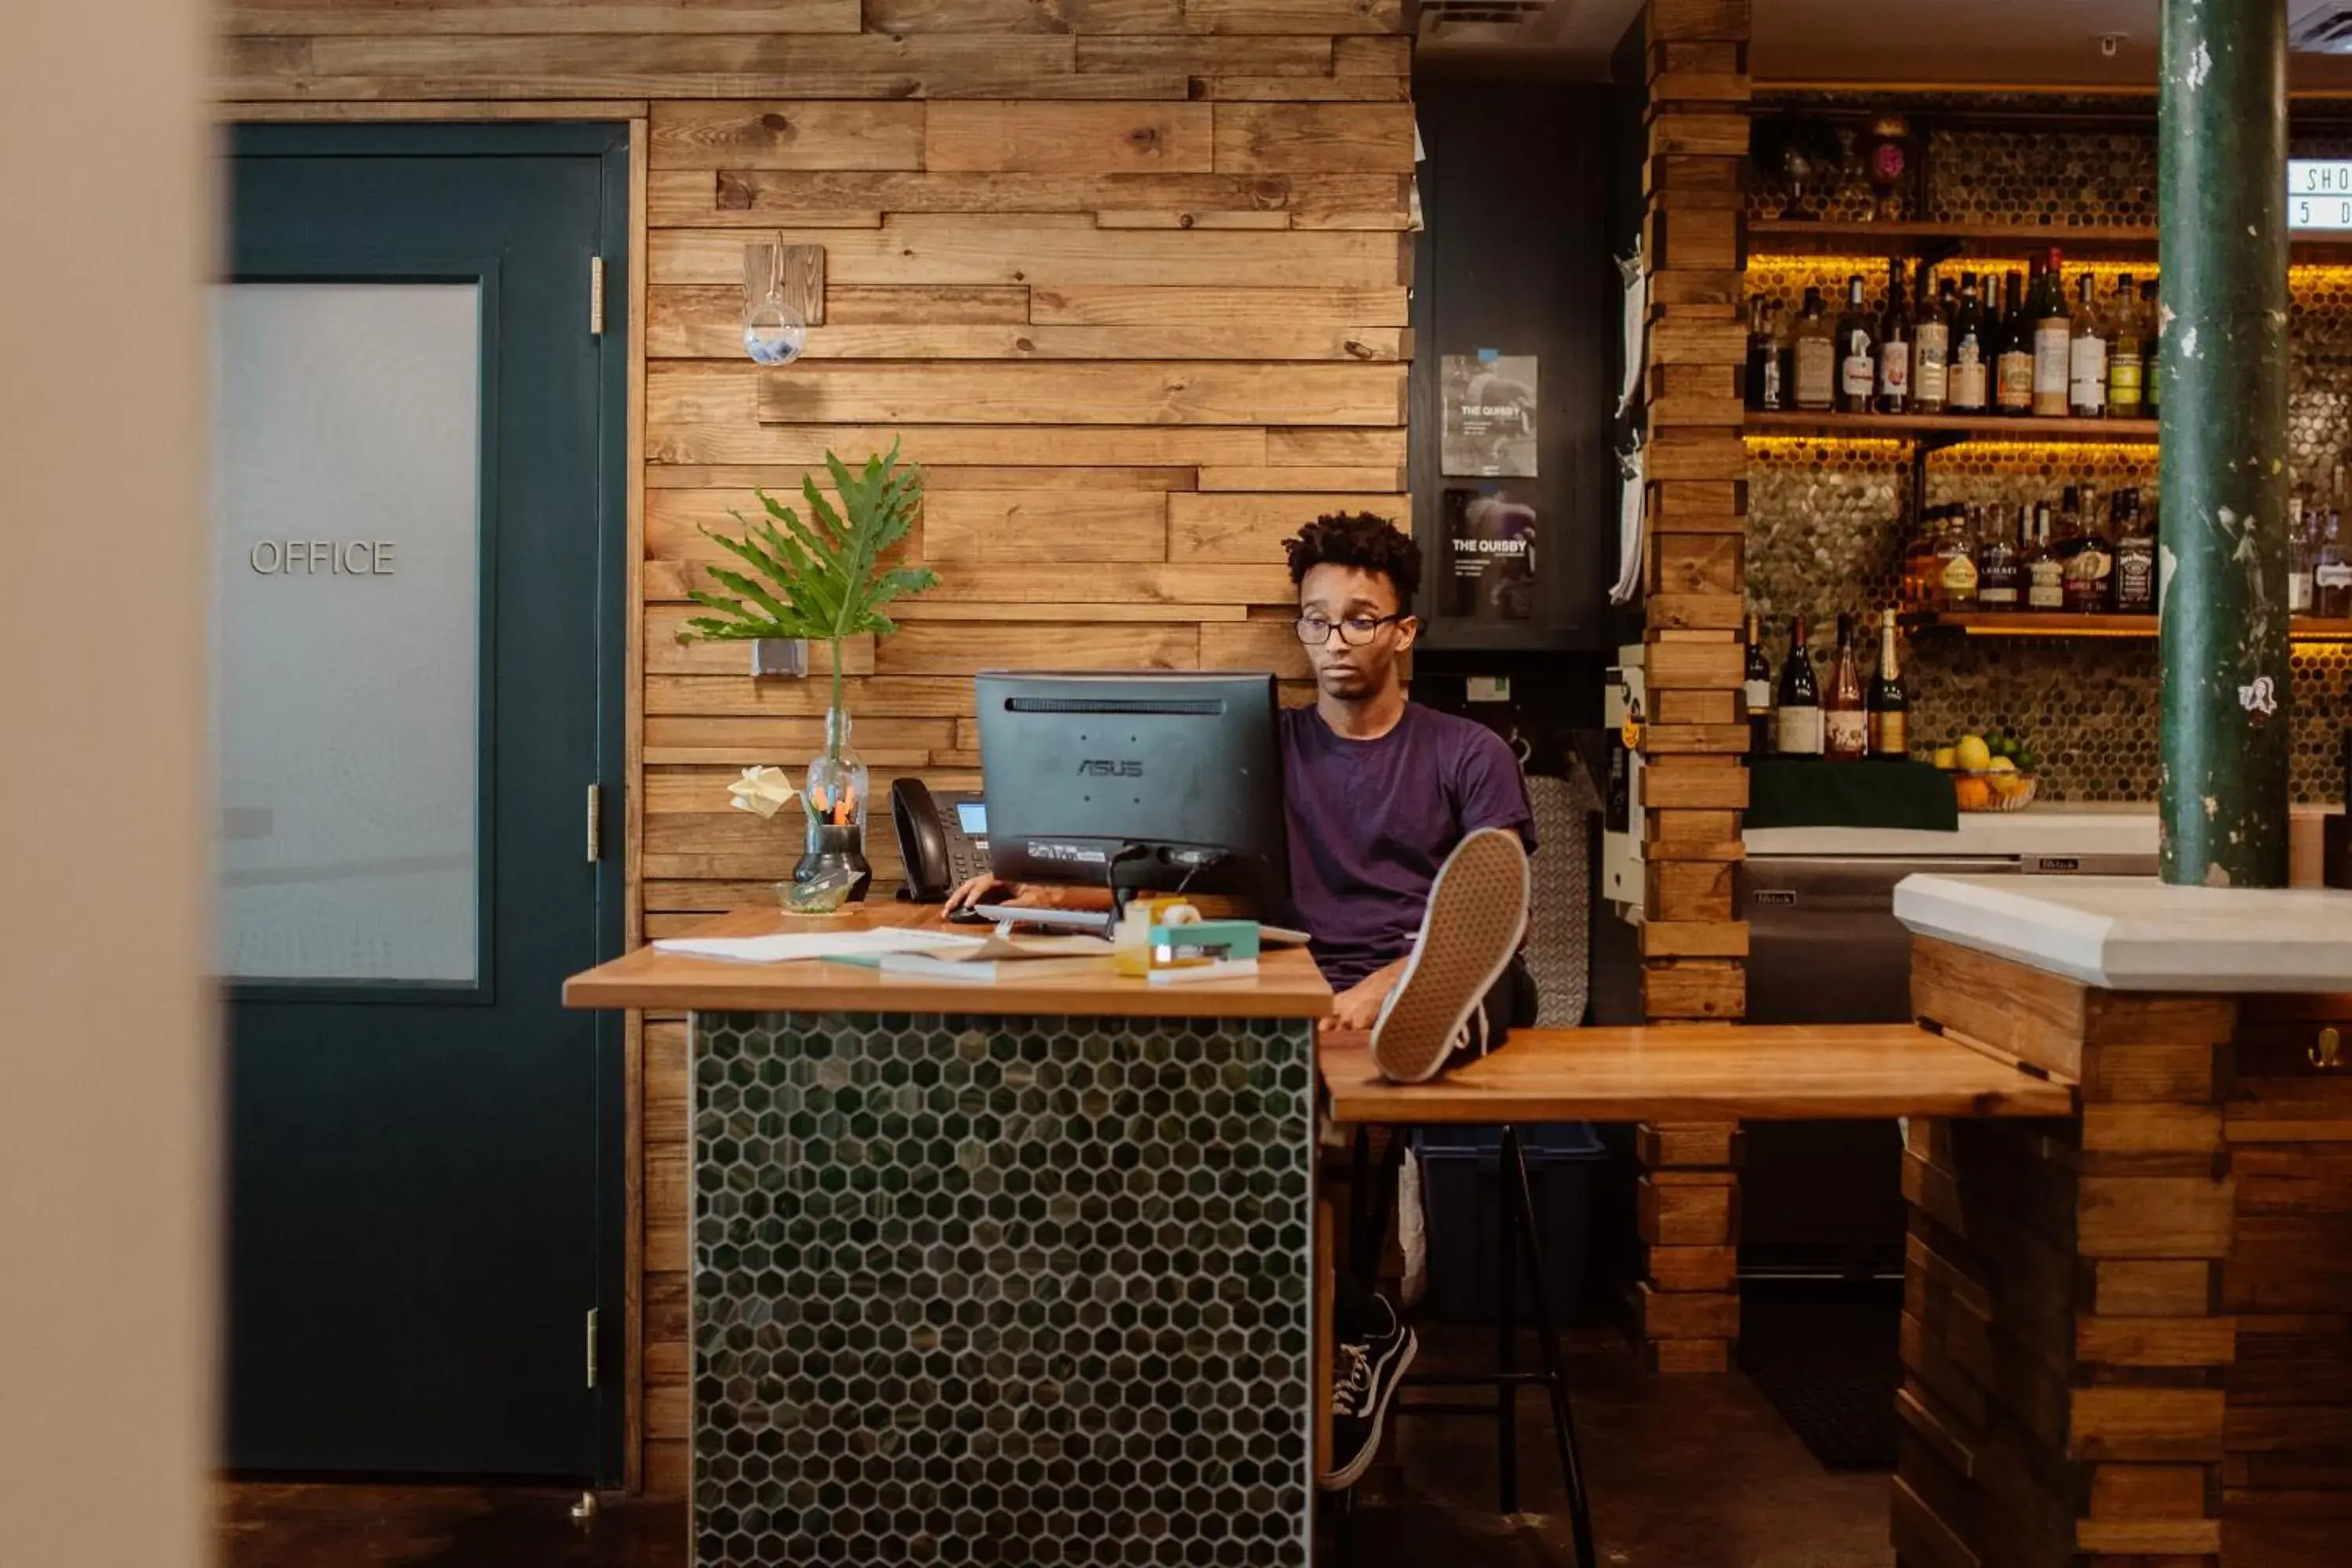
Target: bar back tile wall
<point x="1828" y="519"/>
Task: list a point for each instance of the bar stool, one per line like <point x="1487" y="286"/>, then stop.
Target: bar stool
<point x="1517" y="1241"/>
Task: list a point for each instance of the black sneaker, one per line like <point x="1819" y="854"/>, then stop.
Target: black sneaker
<point x="1368" y="1372"/>
<point x="1477" y="913"/>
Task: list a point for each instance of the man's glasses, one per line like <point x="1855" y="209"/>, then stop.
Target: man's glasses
<point x="1355" y="631"/>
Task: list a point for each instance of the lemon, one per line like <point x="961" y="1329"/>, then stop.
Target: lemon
<point x="1971" y="754"/>
<point x="1944" y="758"/>
<point x="2002" y="765"/>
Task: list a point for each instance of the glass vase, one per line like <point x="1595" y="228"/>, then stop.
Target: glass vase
<point x="832" y="868"/>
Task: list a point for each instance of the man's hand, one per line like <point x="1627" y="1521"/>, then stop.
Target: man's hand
<point x="1360" y="1004"/>
<point x="987" y="889"/>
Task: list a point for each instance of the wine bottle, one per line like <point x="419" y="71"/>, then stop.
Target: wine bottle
<point x="1857" y="348"/>
<point x="1972" y="353"/>
<point x="2053" y="341"/>
<point x="2013" y="371"/>
<point x="1797" y="718"/>
<point x="1845" y="724"/>
<point x="1931" y="351"/>
<point x="1815" y="353"/>
<point x="2086" y="391"/>
<point x="1756" y="689"/>
<point x="2152" y="335"/>
<point x="2126" y="353"/>
<point x="1763" y="365"/>
<point x="1894" y="345"/>
<point x="1890" y="701"/>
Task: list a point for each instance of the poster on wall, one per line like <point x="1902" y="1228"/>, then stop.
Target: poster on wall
<point x="1490" y="554"/>
<point x="1490" y="415"/>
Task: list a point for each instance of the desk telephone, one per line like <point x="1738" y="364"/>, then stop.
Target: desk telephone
<point x="943" y="838"/>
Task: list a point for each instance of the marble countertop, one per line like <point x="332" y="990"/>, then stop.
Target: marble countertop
<point x="2127" y="828"/>
<point x="2134" y="933"/>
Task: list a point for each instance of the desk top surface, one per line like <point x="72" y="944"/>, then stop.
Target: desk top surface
<point x="1286" y="986"/>
<point x="1698" y="1072"/>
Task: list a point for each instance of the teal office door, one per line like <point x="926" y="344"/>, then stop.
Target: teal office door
<point x="417" y="657"/>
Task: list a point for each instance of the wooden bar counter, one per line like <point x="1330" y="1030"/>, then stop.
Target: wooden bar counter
<point x="2127" y="1336"/>
<point x="977" y="1264"/>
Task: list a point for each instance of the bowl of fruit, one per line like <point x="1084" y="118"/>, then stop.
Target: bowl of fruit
<point x="1992" y="771"/>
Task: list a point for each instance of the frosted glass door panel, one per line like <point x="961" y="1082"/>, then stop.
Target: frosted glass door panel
<point x="346" y="629"/>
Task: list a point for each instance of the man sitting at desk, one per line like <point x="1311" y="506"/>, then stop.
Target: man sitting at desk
<point x="1409" y="830"/>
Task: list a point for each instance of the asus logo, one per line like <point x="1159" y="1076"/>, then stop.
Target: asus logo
<point x="1105" y="768"/>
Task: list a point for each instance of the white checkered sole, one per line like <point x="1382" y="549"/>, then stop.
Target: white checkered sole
<point x="1478" y="912"/>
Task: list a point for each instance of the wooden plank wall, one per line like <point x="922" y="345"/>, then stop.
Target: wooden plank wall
<point x="1694" y="785"/>
<point x="1128" y="277"/>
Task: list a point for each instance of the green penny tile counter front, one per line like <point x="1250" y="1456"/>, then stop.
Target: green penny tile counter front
<point x="974" y="1289"/>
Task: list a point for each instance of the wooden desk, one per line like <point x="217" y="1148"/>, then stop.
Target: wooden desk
<point x="1008" y="1230"/>
<point x="1700" y="1072"/>
<point x="1286" y="986"/>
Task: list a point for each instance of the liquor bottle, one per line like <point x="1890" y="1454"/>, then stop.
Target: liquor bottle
<point x="2086" y="391"/>
<point x="1756" y="689"/>
<point x="2331" y="572"/>
<point x="1972" y="353"/>
<point x="1764" y="389"/>
<point x="1953" y="586"/>
<point x="2000" y="564"/>
<point x="2013" y="370"/>
<point x="1797" y="715"/>
<point x="2132" y="588"/>
<point x="1857" y="349"/>
<point x="1813" y="347"/>
<point x="2053" y="344"/>
<point x="2046" y="572"/>
<point x="2299" y="562"/>
<point x="2090" y="563"/>
<point x="1931" y="350"/>
<point x="1845" y="723"/>
<point x="2126" y="353"/>
<point x="2152" y="346"/>
<point x="1890" y="702"/>
<point x="1915" y="583"/>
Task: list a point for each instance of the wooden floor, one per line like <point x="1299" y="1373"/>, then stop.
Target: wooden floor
<point x="1686" y="1472"/>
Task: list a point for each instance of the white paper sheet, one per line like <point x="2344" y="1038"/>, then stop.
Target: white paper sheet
<point x="783" y="949"/>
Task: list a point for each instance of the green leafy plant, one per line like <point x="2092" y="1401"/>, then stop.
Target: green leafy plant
<point x="823" y="579"/>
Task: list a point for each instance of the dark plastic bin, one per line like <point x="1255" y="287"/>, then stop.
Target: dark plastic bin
<point x="1460" y="1173"/>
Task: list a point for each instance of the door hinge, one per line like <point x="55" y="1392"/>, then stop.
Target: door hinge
<point x="596" y="296"/>
<point x="595" y="823"/>
<point x="591" y="1347"/>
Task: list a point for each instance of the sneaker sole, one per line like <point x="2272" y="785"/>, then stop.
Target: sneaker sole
<point x="1340" y="1481"/>
<point x="1478" y="912"/>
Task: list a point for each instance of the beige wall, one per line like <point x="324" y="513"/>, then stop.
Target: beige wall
<point x="107" y="1058"/>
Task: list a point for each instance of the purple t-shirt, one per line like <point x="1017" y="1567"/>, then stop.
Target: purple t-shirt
<point x="1371" y="821"/>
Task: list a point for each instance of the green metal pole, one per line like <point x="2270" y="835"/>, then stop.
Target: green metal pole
<point x="2222" y="200"/>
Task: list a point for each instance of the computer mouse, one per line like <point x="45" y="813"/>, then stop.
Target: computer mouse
<point x="966" y="916"/>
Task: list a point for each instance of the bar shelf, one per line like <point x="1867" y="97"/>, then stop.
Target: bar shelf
<point x="1941" y="241"/>
<point x="2048" y="624"/>
<point x="1959" y="427"/>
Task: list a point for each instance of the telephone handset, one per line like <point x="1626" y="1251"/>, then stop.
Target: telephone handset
<point x="943" y="838"/>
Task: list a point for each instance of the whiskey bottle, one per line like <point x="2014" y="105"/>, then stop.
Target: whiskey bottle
<point x="1797" y="716"/>
<point x="2000" y="567"/>
<point x="2013" y="371"/>
<point x="2046" y="572"/>
<point x="2090" y="563"/>
<point x="1894" y="345"/>
<point x="1954" y="584"/>
<point x="2331" y="572"/>
<point x="1931" y="350"/>
<point x="1756" y="689"/>
<point x="1857" y="351"/>
<point x="1814" y="352"/>
<point x="1845" y="721"/>
<point x="2132" y="589"/>
<point x="1764" y="391"/>
<point x="2054" y="340"/>
<point x="1890" y="702"/>
<point x="1972" y="353"/>
<point x="2299" y="562"/>
<point x="2126" y="353"/>
<point x="2087" y="392"/>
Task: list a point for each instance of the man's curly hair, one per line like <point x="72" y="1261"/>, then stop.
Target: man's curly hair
<point x="1360" y="540"/>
